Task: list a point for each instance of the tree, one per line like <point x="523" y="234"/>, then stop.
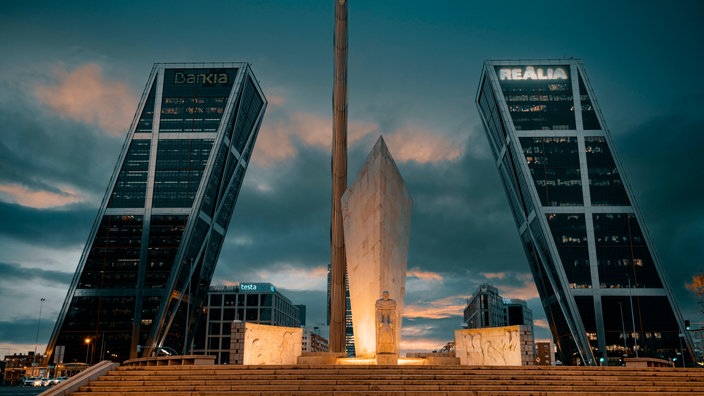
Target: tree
<point x="697" y="285"/>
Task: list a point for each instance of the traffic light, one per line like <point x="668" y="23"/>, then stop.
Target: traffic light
<point x="686" y="325"/>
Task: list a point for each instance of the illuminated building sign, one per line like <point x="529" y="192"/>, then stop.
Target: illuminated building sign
<point x="200" y="78"/>
<point x="257" y="287"/>
<point x="533" y="73"/>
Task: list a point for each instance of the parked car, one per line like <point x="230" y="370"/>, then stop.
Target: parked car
<point x="59" y="380"/>
<point x="32" y="381"/>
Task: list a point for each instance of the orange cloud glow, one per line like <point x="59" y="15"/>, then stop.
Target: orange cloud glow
<point x="526" y="291"/>
<point x="277" y="139"/>
<point x="416" y="331"/>
<point x="421" y="344"/>
<point x="84" y="95"/>
<point x="295" y="278"/>
<point x="418" y="144"/>
<point x="21" y="195"/>
<point x="494" y="275"/>
<point x="541" y="323"/>
<point x="275" y="99"/>
<point x="424" y="275"/>
<point x="439" y="309"/>
<point x="275" y="142"/>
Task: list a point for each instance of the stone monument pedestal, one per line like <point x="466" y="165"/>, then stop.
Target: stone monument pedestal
<point x="387" y="359"/>
<point x="320" y="358"/>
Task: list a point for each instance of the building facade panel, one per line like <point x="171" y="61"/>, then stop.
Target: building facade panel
<point x="586" y="245"/>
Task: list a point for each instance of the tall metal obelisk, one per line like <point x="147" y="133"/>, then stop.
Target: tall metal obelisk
<point x="338" y="260"/>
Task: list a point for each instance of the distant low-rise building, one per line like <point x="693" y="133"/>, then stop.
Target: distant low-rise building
<point x="313" y="341"/>
<point x="543" y="353"/>
<point x="487" y="308"/>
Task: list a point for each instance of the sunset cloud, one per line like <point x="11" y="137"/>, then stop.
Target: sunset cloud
<point x="415" y="143"/>
<point x="525" y="291"/>
<point x="425" y="275"/>
<point x="277" y="140"/>
<point x="494" y="275"/>
<point x="289" y="276"/>
<point x="295" y="277"/>
<point x="274" y="99"/>
<point x="42" y="199"/>
<point x="282" y="131"/>
<point x="513" y="284"/>
<point x="439" y="309"/>
<point x="84" y="95"/>
<point x="417" y="330"/>
<point x="543" y="323"/>
<point x="420" y="281"/>
<point x="421" y="344"/>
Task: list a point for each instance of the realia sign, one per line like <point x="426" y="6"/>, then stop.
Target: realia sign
<point x="533" y="73"/>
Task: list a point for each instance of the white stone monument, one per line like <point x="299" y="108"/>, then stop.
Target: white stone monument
<point x="376" y="219"/>
<point x="495" y="346"/>
<point x="265" y="344"/>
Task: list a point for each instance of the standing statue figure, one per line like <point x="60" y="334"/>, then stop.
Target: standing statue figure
<point x="385" y="325"/>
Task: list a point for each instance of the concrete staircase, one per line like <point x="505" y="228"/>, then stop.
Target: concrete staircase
<point x="213" y="380"/>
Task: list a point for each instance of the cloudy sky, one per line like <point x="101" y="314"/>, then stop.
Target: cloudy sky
<point x="71" y="74"/>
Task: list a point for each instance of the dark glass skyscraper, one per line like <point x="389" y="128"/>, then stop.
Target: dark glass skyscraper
<point x="146" y="268"/>
<point x="349" y="329"/>
<point x="603" y="290"/>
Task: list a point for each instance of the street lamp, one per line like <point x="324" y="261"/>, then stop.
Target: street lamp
<point x="623" y="329"/>
<point x="633" y="320"/>
<point x="39" y="321"/>
<point x="186" y="349"/>
<point x="87" y="341"/>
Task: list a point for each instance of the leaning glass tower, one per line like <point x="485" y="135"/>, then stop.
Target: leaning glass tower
<point x="603" y="290"/>
<point x="146" y="267"/>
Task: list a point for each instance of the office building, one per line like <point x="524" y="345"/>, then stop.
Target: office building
<point x="543" y="353"/>
<point x="259" y="303"/>
<point x="487" y="308"/>
<point x="516" y="312"/>
<point x="604" y="292"/>
<point x="349" y="329"/>
<point x="144" y="273"/>
<point x="313" y="341"/>
<point x="301" y="314"/>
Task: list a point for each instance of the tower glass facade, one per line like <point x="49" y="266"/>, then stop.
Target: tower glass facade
<point x="146" y="267"/>
<point x="602" y="288"/>
<point x="349" y="328"/>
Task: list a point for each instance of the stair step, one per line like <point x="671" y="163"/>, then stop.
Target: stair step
<point x="394" y="381"/>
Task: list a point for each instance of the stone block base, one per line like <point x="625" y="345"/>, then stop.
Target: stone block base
<point x="386" y="359"/>
<point x="442" y="361"/>
<point x="319" y="358"/>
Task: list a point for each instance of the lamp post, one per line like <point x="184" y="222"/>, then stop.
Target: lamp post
<point x="39" y="321"/>
<point x="87" y="341"/>
<point x="186" y="348"/>
<point x="633" y="320"/>
<point x="623" y="328"/>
